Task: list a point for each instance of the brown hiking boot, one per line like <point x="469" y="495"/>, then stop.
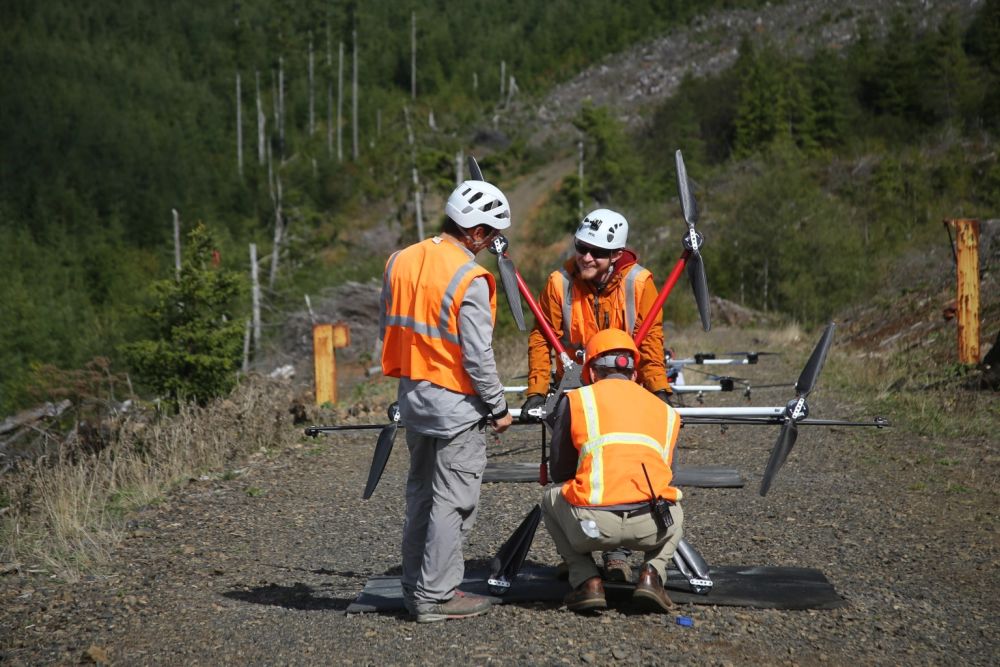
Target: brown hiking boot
<point x="463" y="605"/>
<point x="588" y="596"/>
<point x="649" y="593"/>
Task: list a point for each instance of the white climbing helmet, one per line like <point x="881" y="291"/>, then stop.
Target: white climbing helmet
<point x="603" y="228"/>
<point x="478" y="203"/>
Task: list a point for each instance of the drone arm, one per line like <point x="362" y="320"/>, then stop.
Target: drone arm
<point x="542" y="322"/>
<point x="661" y="298"/>
<point x="313" y="431"/>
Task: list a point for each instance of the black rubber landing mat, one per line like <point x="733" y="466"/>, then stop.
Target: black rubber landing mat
<point x="709" y="477"/>
<point x="735" y="586"/>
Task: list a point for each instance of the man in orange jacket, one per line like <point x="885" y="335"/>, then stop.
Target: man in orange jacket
<point x="437" y="313"/>
<point x="601" y="287"/>
<point x="612" y="446"/>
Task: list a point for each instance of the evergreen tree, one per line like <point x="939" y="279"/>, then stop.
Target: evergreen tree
<point x="762" y="111"/>
<point x="949" y="91"/>
<point x="197" y="342"/>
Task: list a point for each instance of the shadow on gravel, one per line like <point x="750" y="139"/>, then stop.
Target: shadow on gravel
<point x="297" y="596"/>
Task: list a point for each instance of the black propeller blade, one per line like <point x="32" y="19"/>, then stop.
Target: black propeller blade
<point x="693" y="242"/>
<point x="508" y="278"/>
<point x="474" y="171"/>
<point x="797" y="409"/>
<point x="386" y="439"/>
<point x="510" y="558"/>
<point x="508" y="274"/>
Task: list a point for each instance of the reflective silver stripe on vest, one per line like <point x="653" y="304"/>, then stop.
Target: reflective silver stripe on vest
<point x="425" y="329"/>
<point x="567" y="308"/>
<point x="630" y="300"/>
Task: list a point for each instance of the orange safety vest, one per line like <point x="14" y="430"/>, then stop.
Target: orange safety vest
<point x="617" y="426"/>
<point x="424" y="285"/>
<point x="579" y="322"/>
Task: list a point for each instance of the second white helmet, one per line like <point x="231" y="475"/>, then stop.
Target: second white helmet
<point x="603" y="228"/>
<point x="478" y="203"/>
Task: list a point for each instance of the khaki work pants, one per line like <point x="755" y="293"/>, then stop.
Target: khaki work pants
<point x="641" y="533"/>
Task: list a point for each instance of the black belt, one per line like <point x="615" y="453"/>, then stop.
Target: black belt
<point x="645" y="509"/>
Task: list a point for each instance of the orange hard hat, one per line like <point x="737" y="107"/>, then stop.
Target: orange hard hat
<point x="605" y="342"/>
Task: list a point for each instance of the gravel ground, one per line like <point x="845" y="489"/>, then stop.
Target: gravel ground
<point x="259" y="568"/>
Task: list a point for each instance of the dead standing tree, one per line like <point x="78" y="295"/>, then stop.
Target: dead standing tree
<point x="416" y="175"/>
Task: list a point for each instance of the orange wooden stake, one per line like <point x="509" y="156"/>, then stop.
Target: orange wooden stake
<point x="967" y="301"/>
<point x="327" y="338"/>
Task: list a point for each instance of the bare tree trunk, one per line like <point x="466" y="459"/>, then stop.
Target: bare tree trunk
<point x="416" y="176"/>
<point x="309" y="307"/>
<point x="340" y="106"/>
<point x="281" y="109"/>
<point x="765" y="284"/>
<point x="430" y="120"/>
<point x="511" y="89"/>
<point x="459" y="167"/>
<point x="239" y="128"/>
<point x="475" y="82"/>
<point x="312" y="89"/>
<point x="276" y="103"/>
<point x="279" y="233"/>
<point x="579" y="148"/>
<point x="247" y="331"/>
<point x="413" y="55"/>
<point x="177" y="244"/>
<point x="418" y="205"/>
<point x="329" y="95"/>
<point x="354" y="95"/>
<point x="503" y="78"/>
<point x="255" y="296"/>
<point x="261" y="123"/>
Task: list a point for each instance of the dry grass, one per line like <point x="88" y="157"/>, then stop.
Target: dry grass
<point x="66" y="515"/>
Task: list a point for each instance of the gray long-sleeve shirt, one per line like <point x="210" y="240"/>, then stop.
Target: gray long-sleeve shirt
<point x="430" y="409"/>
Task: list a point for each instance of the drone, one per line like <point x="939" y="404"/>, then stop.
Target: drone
<point x="790" y="416"/>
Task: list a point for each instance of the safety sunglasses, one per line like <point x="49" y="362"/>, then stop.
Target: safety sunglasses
<point x="596" y="253"/>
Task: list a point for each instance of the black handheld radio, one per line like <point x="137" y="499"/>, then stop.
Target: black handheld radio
<point x="659" y="506"/>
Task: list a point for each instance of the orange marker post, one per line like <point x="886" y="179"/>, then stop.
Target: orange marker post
<point x="967" y="301"/>
<point x="326" y="339"/>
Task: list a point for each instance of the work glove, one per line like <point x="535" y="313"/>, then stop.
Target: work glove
<point x="534" y="401"/>
<point x="665" y="396"/>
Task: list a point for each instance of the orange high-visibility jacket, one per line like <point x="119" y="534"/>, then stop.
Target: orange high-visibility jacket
<point x="425" y="284"/>
<point x="577" y="311"/>
<point x="617" y="426"/>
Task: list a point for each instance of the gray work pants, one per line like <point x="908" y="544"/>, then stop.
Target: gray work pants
<point x="612" y="531"/>
<point x="442" y="496"/>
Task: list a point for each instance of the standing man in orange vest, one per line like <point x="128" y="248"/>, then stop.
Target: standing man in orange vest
<point x="437" y="313"/>
<point x="608" y="437"/>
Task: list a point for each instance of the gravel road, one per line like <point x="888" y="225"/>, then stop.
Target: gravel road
<point x="258" y="568"/>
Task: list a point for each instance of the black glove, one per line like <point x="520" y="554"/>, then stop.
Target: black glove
<point x="534" y="401"/>
<point x="665" y="396"/>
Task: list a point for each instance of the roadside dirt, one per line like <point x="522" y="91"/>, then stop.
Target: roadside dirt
<point x="258" y="567"/>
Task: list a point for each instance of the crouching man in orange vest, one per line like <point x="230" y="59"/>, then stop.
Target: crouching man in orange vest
<point x="437" y="313"/>
<point x="604" y="435"/>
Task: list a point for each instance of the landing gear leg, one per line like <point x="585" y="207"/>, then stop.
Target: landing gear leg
<point x="693" y="567"/>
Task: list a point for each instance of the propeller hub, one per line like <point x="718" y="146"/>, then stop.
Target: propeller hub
<point x="499" y="245"/>
<point x="693" y="240"/>
<point x="797" y="409"/>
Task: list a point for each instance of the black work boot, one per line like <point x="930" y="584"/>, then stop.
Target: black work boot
<point x="649" y="594"/>
<point x="588" y="596"/>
